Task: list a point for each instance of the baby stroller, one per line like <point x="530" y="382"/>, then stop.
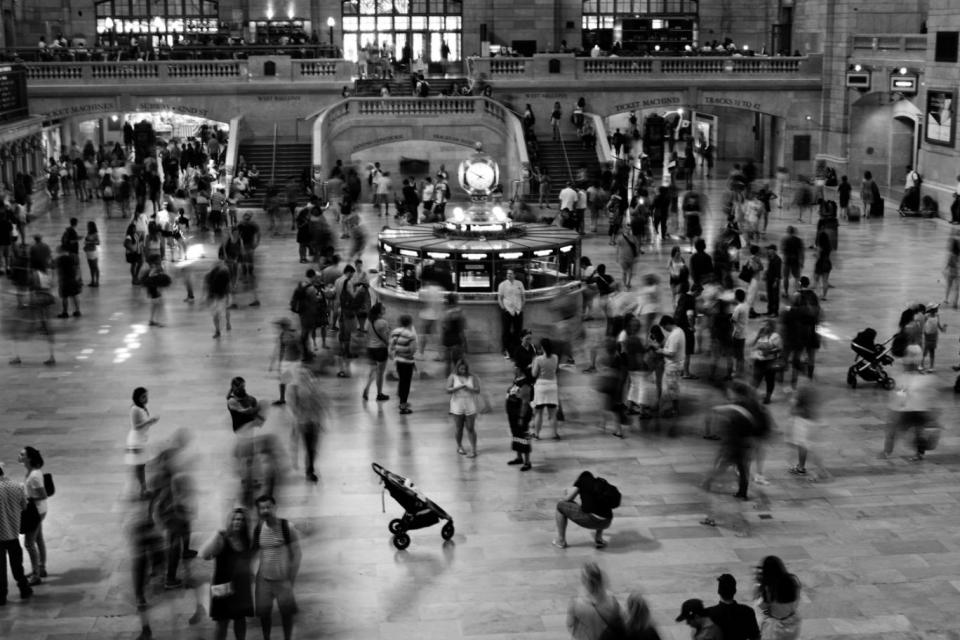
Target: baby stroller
<point x="871" y="360"/>
<point x="419" y="511"/>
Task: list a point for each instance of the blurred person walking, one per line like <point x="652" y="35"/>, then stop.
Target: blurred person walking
<point x="806" y="431"/>
<point x="595" y="614"/>
<point x="911" y="407"/>
<point x="308" y="406"/>
<point x="216" y="284"/>
<point x="377" y="351"/>
<point x="286" y="356"/>
<point x="403" y="348"/>
<point x="637" y="620"/>
<point x="230" y="587"/>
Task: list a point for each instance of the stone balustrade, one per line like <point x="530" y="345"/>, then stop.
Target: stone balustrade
<point x="566" y="65"/>
<point x="894" y="42"/>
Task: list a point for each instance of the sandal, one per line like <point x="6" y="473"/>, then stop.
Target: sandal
<point x="798" y="471"/>
<point x="709" y="522"/>
<point x="461" y="451"/>
<point x="559" y="544"/>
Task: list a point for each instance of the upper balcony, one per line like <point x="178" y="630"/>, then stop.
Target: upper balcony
<point x="659" y="69"/>
<point x="890" y="49"/>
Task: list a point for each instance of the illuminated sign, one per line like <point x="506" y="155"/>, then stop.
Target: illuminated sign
<point x="475" y="256"/>
<point x="903" y="84"/>
<point x="408" y="252"/>
<point x="437" y="255"/>
<point x="543" y="252"/>
<point x="511" y="256"/>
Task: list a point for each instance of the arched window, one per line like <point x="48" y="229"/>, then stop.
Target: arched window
<point x="161" y="19"/>
<point x="423" y="25"/>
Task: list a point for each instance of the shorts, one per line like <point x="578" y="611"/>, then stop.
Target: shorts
<point x="377" y="354"/>
<point x="269" y="590"/>
<point x="575" y="513"/>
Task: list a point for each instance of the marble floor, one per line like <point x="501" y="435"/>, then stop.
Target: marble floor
<point x="877" y="549"/>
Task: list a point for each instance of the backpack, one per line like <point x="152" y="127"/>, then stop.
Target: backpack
<point x="808" y="306"/>
<point x="608" y="493"/>
<point x="296" y="300"/>
<point x="48" y="485"/>
<point x="899" y="345"/>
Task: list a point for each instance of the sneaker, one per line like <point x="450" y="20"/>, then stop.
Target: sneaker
<point x="759" y="479"/>
<point x="382" y="398"/>
<point x="34" y="580"/>
<point x="798" y="471"/>
<point x="76" y="314"/>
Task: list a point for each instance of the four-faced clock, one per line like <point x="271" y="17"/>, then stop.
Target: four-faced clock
<point x="478" y="175"/>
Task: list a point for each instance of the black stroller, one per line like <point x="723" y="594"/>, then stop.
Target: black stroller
<point x="419" y="511"/>
<point x="871" y="360"/>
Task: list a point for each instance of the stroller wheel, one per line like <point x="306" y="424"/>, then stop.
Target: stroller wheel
<point x="852" y="377"/>
<point x="395" y="526"/>
<point x="447" y="531"/>
<point x="401" y="541"/>
<point x="889" y="384"/>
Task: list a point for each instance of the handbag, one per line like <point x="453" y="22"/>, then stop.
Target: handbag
<point x="29" y="518"/>
<point x="224" y="590"/>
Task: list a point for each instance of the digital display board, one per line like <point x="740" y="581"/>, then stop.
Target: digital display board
<point x="13" y="92"/>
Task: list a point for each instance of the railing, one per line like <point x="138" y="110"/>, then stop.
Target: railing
<point x="84" y="72"/>
<point x="415" y="106"/>
<point x="180" y="52"/>
<point x="603" y="68"/>
<point x="890" y="42"/>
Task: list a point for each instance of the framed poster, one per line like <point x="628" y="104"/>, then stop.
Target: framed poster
<point x="940" y="117"/>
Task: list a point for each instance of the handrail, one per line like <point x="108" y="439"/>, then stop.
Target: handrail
<point x="604" y="151"/>
<point x="566" y="158"/>
<point x="273" y="157"/>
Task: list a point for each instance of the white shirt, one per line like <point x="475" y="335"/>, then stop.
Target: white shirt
<point x="674" y="349"/>
<point x="739" y="317"/>
<point x="510" y="296"/>
<point x="912" y="179"/>
<point x="581" y="199"/>
<point x="427" y="194"/>
<point x="568" y="198"/>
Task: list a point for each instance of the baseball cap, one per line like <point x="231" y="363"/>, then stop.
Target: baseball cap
<point x="689" y="609"/>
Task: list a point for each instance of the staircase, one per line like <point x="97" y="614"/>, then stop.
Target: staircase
<point x="292" y="159"/>
<point x="551" y="159"/>
<point x="400" y="86"/>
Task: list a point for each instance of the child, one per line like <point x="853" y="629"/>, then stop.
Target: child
<point x="519" y="414"/>
<point x="931" y="332"/>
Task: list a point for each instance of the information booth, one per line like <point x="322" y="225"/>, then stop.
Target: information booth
<point x="469" y="254"/>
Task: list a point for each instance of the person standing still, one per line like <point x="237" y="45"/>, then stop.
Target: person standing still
<point x="511" y="298"/>
<point x="13" y="501"/>
<point x="278" y="548"/>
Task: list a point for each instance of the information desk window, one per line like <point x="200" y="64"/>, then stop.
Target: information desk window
<point x="392" y="267"/>
<point x="474" y="276"/>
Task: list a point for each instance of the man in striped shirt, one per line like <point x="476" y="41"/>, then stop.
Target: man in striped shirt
<point x="279" y="550"/>
<point x="13" y="501"/>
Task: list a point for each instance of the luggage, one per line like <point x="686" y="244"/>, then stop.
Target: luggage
<point x="876" y="208"/>
<point x="853" y="213"/>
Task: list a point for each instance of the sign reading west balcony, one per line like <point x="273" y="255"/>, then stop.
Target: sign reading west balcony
<point x="13" y="92"/>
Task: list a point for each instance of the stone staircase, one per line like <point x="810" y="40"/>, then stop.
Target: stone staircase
<point x="400" y="85"/>
<point x="552" y="159"/>
<point x="292" y="159"/>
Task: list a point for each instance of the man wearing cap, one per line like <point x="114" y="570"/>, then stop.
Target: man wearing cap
<point x="736" y="621"/>
<point x="695" y="615"/>
<point x="13" y="501"/>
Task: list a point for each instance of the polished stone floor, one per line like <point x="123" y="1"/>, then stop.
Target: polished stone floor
<point x="877" y="549"/>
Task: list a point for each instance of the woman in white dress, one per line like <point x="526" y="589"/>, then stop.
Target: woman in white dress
<point x="464" y="388"/>
<point x="546" y="393"/>
<point x="137" y="438"/>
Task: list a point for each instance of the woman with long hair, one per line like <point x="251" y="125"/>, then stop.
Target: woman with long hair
<point x="638" y="623"/>
<point x="230" y="594"/>
<point x="37" y="495"/>
<point x="464" y="388"/>
<point x="546" y="393"/>
<point x="91" y="249"/>
<point x="140" y="423"/>
<point x="377" y="350"/>
<point x="779" y="593"/>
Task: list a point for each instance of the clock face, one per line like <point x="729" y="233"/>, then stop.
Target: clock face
<point x="480" y="176"/>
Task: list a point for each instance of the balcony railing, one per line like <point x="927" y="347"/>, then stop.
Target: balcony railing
<point x="180" y="52"/>
<point x="613" y="67"/>
<point x="178" y="71"/>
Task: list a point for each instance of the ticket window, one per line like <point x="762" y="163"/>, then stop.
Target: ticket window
<point x="474" y="276"/>
<point x="391" y="268"/>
